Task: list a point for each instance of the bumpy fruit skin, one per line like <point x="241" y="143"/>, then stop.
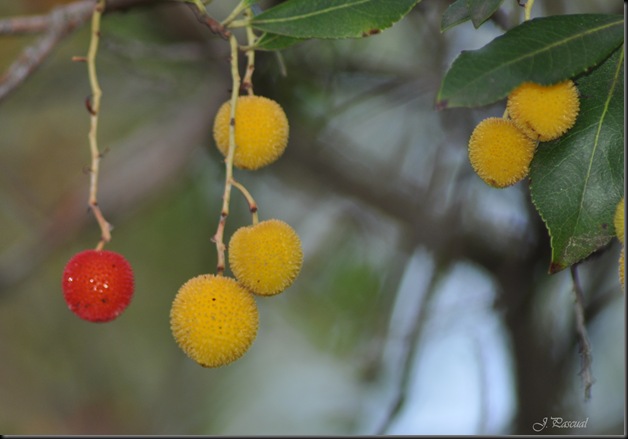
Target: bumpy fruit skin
<point x="619" y="220"/>
<point x="261" y="131"/>
<point x="544" y="112"/>
<point x="266" y="257"/>
<point x="214" y="320"/>
<point x="98" y="285"/>
<point x="499" y="152"/>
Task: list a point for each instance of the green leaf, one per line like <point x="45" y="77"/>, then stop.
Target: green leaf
<point x="577" y="180"/>
<point x="332" y="18"/>
<point x="270" y="41"/>
<point x="478" y="11"/>
<point x="481" y="10"/>
<point x="456" y="13"/>
<point x="544" y="50"/>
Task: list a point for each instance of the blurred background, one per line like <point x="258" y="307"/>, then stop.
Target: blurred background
<point x="424" y="305"/>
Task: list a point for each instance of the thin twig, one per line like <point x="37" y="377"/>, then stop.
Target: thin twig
<point x="249" y="198"/>
<point x="201" y="14"/>
<point x="219" y="235"/>
<point x="583" y="338"/>
<point x="94" y="109"/>
<point x="247" y="83"/>
<point x="528" y="9"/>
<point x="234" y="14"/>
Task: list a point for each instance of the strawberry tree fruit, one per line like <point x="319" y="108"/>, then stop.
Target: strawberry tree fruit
<point x="544" y="112"/>
<point x="98" y="285"/>
<point x="267" y="257"/>
<point x="261" y="131"/>
<point x="499" y="152"/>
<point x="214" y="320"/>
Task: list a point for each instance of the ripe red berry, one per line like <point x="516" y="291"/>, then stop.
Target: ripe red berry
<point x="98" y="285"/>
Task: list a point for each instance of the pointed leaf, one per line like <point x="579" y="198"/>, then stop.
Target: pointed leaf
<point x="481" y="10"/>
<point x="456" y="13"/>
<point x="332" y="18"/>
<point x="543" y="50"/>
<point x="577" y="180"/>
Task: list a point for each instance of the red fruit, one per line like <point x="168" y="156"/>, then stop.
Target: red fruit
<point x="98" y="285"/>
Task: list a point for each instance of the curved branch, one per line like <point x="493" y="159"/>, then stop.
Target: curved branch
<point x="59" y="23"/>
<point x="55" y="26"/>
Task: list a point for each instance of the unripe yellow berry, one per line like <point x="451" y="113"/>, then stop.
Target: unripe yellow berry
<point x="214" y="320"/>
<point x="544" y="112"/>
<point x="261" y="131"/>
<point x="499" y="152"/>
<point x="266" y="257"/>
<point x="619" y="220"/>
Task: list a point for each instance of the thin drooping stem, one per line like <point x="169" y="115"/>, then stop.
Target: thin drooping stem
<point x="249" y="198"/>
<point x="247" y="82"/>
<point x="224" y="213"/>
<point x="528" y="9"/>
<point x="93" y="106"/>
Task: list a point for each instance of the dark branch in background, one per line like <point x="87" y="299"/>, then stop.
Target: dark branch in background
<point x="411" y="349"/>
<point x="583" y="338"/>
<point x="24" y="25"/>
<point x="57" y="25"/>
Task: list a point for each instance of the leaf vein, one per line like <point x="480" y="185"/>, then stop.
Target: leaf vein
<point x="597" y="138"/>
<point x="311" y="14"/>
<point x="521" y="59"/>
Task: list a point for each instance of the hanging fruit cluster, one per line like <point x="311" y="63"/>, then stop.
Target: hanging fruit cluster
<point x="501" y="149"/>
<point x="214" y="318"/>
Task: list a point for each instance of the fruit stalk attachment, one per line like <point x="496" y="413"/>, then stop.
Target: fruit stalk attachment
<point x="93" y="106"/>
<point x="224" y="213"/>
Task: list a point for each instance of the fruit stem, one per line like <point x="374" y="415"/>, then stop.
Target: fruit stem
<point x="93" y="107"/>
<point x="219" y="236"/>
<point x="236" y="11"/>
<point x="249" y="198"/>
<point x="247" y="83"/>
<point x="528" y="9"/>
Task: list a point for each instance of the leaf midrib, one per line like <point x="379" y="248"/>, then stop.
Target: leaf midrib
<point x="310" y="14"/>
<point x="597" y="138"/>
<point x="482" y="79"/>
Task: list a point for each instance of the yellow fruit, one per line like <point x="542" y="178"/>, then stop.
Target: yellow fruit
<point x="266" y="257"/>
<point x="499" y="152"/>
<point x="261" y="131"/>
<point x="544" y="112"/>
<point x="214" y="320"/>
<point x="619" y="220"/>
